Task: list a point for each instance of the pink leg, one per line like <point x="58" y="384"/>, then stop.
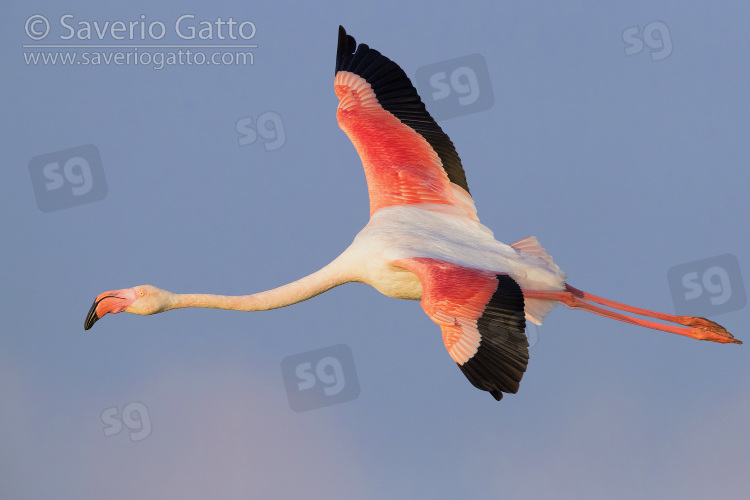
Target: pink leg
<point x="701" y="328"/>
<point x="680" y="320"/>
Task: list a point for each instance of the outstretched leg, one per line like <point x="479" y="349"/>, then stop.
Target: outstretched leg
<point x="699" y="328"/>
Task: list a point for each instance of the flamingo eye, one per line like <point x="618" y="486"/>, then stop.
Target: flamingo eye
<point x="141" y="293"/>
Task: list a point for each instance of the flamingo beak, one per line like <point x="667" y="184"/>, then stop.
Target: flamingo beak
<point x="111" y="306"/>
<point x="91" y="317"/>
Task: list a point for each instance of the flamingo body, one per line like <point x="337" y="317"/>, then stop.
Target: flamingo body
<point x="423" y="231"/>
<point x="424" y="241"/>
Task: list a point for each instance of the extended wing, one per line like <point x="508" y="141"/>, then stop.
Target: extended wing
<point x="481" y="315"/>
<point x="407" y="157"/>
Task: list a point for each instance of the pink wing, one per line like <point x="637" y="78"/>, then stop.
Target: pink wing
<point x="407" y="157"/>
<point x="481" y="315"/>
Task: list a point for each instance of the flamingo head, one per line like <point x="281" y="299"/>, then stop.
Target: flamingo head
<point x="143" y="299"/>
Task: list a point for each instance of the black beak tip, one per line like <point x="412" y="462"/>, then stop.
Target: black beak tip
<point x="91" y="318"/>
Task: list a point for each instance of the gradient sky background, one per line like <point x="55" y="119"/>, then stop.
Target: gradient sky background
<point x="623" y="166"/>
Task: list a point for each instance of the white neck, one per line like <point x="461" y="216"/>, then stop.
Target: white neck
<point x="334" y="274"/>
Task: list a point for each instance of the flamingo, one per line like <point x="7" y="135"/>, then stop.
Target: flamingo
<point x="424" y="241"/>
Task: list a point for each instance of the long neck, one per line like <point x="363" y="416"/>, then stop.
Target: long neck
<point x="332" y="275"/>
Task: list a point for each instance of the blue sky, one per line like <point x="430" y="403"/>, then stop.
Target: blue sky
<point x="624" y="166"/>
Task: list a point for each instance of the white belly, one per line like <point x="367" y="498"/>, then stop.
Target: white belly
<point x="398" y="283"/>
<point x="408" y="231"/>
